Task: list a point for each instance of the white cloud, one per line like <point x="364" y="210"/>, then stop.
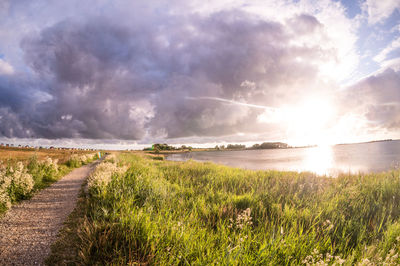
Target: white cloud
<point x="395" y="29"/>
<point x="336" y="38"/>
<point x="380" y="10"/>
<point x="382" y="56"/>
<point x="5" y="68"/>
<point x="66" y="117"/>
<point x="392" y="63"/>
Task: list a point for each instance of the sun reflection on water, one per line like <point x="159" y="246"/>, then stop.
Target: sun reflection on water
<point x="319" y="160"/>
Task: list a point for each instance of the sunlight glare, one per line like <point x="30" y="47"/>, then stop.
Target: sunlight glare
<point x="308" y="123"/>
<point x="319" y="160"/>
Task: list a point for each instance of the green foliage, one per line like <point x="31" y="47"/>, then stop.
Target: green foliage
<point x="235" y="147"/>
<point x="15" y="184"/>
<point x="73" y="163"/>
<point x="270" y="145"/>
<point x="43" y="173"/>
<point x="169" y="213"/>
<point x="77" y="160"/>
<point x="165" y="147"/>
<point x="19" y="181"/>
<point x="159" y="158"/>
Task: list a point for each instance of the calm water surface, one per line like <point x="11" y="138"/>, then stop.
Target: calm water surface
<point x="329" y="160"/>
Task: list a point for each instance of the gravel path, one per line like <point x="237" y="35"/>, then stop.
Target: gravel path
<point x="28" y="229"/>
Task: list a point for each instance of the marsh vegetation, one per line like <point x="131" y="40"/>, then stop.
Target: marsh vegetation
<point x="189" y="213"/>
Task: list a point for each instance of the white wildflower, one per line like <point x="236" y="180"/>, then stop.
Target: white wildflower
<point x="103" y="173"/>
<point x="51" y="163"/>
<point x="319" y="259"/>
<point x="16" y="179"/>
<point x="5" y="182"/>
<point x="366" y="262"/>
<point x="244" y="219"/>
<point x="22" y="180"/>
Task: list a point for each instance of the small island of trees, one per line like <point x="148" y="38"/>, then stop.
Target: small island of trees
<point x="264" y="145"/>
<point x="270" y="145"/>
<point x="165" y="147"/>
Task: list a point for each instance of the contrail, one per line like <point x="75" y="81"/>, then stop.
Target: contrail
<point x="272" y="109"/>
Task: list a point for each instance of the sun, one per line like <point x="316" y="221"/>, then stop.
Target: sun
<point x="310" y="121"/>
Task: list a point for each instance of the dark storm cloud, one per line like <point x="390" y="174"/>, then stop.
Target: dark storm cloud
<point x="18" y="97"/>
<point x="93" y="69"/>
<point x="11" y="95"/>
<point x="105" y="78"/>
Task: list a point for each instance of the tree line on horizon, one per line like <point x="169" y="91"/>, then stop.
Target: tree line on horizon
<point x="166" y="147"/>
<point x="265" y="145"/>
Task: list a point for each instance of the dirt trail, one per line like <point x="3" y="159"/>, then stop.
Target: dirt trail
<point x="28" y="229"/>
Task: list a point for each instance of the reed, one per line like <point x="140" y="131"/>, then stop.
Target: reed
<point x="191" y="213"/>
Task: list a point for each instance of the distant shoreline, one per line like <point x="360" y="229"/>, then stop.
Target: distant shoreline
<point x="254" y="149"/>
<point x="365" y="142"/>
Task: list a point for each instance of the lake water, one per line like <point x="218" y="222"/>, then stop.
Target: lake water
<point x="329" y="160"/>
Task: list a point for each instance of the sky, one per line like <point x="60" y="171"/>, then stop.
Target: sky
<point x="125" y="74"/>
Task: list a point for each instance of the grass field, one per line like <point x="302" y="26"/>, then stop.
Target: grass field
<point x="149" y="211"/>
<point x="23" y="154"/>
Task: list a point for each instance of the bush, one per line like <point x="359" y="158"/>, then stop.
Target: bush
<point x="103" y="173"/>
<point x="77" y="160"/>
<point x="18" y="182"/>
<point x="15" y="184"/>
<point x="43" y="172"/>
<point x="5" y="181"/>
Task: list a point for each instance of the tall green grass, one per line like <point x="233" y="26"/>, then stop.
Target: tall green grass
<point x="43" y="173"/>
<point x="190" y="213"/>
<point x="77" y="160"/>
